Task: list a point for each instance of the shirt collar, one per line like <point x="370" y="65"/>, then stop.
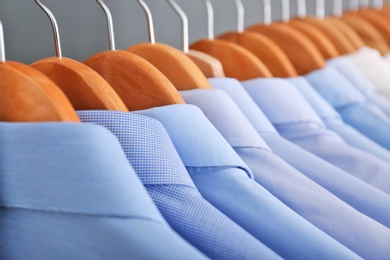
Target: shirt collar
<point x="69" y="168"/>
<point x="320" y="106"/>
<point x="335" y="88"/>
<point x="252" y="112"/>
<point x="146" y="145"/>
<point x="281" y="101"/>
<point x="197" y="141"/>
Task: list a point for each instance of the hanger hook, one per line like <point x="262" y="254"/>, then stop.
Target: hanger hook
<point x="2" y="48"/>
<point x="210" y="19"/>
<point x="337" y="8"/>
<point x="240" y="15"/>
<point x="377" y="4"/>
<point x="150" y="21"/>
<point x="364" y="3"/>
<point x="267" y="12"/>
<point x="110" y="24"/>
<point x="184" y="21"/>
<point x="301" y="4"/>
<point x="354" y="5"/>
<point x="54" y="25"/>
<point x="320" y="9"/>
<point x="285" y="10"/>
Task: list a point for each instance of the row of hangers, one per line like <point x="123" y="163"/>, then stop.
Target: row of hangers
<point x="150" y="74"/>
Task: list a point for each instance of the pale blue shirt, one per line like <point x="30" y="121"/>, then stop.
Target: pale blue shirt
<point x="360" y="195"/>
<point x="349" y="70"/>
<point x="333" y="121"/>
<point x="351" y="104"/>
<point x="226" y="181"/>
<point x="154" y="158"/>
<point x="336" y="218"/>
<point x="68" y="192"/>
<point x="294" y="119"/>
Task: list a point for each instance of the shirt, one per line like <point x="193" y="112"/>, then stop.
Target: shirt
<point x="339" y="220"/>
<point x="352" y="73"/>
<point x="352" y="106"/>
<point x="151" y="152"/>
<point x="294" y="119"/>
<point x="360" y="195"/>
<point x="371" y="64"/>
<point x="227" y="182"/>
<point x="334" y="122"/>
<point x="68" y="192"/>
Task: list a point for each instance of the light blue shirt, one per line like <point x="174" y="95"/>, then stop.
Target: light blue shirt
<point x="154" y="158"/>
<point x="349" y="70"/>
<point x="294" y="119"/>
<point x="227" y="182"/>
<point x="336" y="218"/>
<point x="68" y="192"/>
<point x="352" y="106"/>
<point x="360" y="195"/>
<point x="333" y="121"/>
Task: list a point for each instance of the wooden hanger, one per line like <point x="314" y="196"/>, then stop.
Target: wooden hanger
<point x="139" y="84"/>
<point x="174" y="64"/>
<point x="210" y="66"/>
<point x="84" y="87"/>
<point x="300" y="50"/>
<point x="29" y="96"/>
<point x="342" y="44"/>
<point x="237" y="61"/>
<point x="263" y="48"/>
<point x="370" y="35"/>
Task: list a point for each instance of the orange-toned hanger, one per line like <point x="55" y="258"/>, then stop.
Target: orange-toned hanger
<point x="369" y="34"/>
<point x="84" y="87"/>
<point x="138" y="83"/>
<point x="237" y="61"/>
<point x="301" y="51"/>
<point x="342" y="44"/>
<point x="29" y="96"/>
<point x="263" y="48"/>
<point x="210" y="66"/>
<point x="173" y="63"/>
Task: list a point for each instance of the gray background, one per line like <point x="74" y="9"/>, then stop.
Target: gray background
<point x="82" y="24"/>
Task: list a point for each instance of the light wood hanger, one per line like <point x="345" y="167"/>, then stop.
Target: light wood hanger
<point x="84" y="87"/>
<point x="301" y="51"/>
<point x="210" y="66"/>
<point x="369" y="34"/>
<point x="263" y="48"/>
<point x="139" y="84"/>
<point x="174" y="64"/>
<point x="29" y="96"/>
<point x="237" y="61"/>
<point x="342" y="44"/>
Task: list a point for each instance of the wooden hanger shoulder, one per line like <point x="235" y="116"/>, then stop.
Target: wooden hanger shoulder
<point x="265" y="50"/>
<point x="174" y="64"/>
<point x="324" y="45"/>
<point x="210" y="66"/>
<point x="138" y="83"/>
<point x="84" y="87"/>
<point x="29" y="96"/>
<point x="348" y="32"/>
<point x="237" y="62"/>
<point x="303" y="54"/>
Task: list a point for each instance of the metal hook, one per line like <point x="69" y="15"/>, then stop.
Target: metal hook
<point x="54" y="25"/>
<point x="377" y="4"/>
<point x="210" y="20"/>
<point x="354" y="5"/>
<point x="285" y="10"/>
<point x="337" y="8"/>
<point x="110" y="24"/>
<point x="2" y="48"/>
<point x="320" y="9"/>
<point x="364" y="3"/>
<point x="267" y="12"/>
<point x="184" y="21"/>
<point x="150" y="21"/>
<point x="301" y="4"/>
<point x="240" y="15"/>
